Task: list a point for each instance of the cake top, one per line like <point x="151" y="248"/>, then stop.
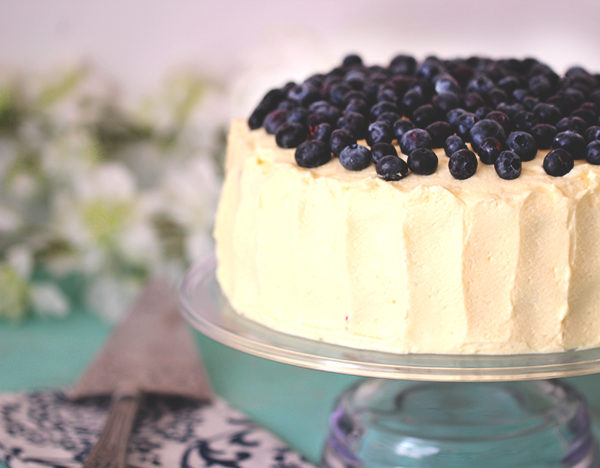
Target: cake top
<point x="479" y="110"/>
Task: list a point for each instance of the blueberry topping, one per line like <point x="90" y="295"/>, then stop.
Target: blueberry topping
<point x="462" y="164"/>
<point x="572" y="142"/>
<point x="323" y="132"/>
<point x="422" y="161"/>
<point x="508" y="165"/>
<point x="312" y="153"/>
<point x="339" y="139"/>
<point x="592" y="154"/>
<point x="379" y="132"/>
<point x="290" y="135"/>
<point x="414" y="139"/>
<point x="380" y="150"/>
<point x="439" y="131"/>
<point x="558" y="162"/>
<point x="452" y="144"/>
<point x="437" y="103"/>
<point x="391" y="167"/>
<point x="544" y="135"/>
<point x="523" y="144"/>
<point x="489" y="150"/>
<point x="274" y="120"/>
<point x="355" y="157"/>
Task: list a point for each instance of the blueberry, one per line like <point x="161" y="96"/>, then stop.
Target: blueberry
<point x="313" y="121"/>
<point x="324" y="108"/>
<point x="403" y="65"/>
<point x="445" y="102"/>
<point x="355" y="123"/>
<point x="270" y="100"/>
<point x="312" y="153"/>
<point x="444" y="83"/>
<point x="509" y="83"/>
<point x="482" y="112"/>
<point x="501" y="118"/>
<point x="558" y="162"/>
<point x="380" y="108"/>
<point x="323" y="132"/>
<point x="290" y="135"/>
<point x="592" y="133"/>
<point x="298" y="115"/>
<point x="274" y="120"/>
<point x="480" y="84"/>
<point x="523" y="144"/>
<point x="304" y="94"/>
<point x="401" y="126"/>
<point x="380" y="150"/>
<point x="287" y="104"/>
<point x="585" y="114"/>
<point x="508" y="165"/>
<point x="486" y="128"/>
<point x="337" y="93"/>
<point x="540" y="85"/>
<point x="464" y="125"/>
<point x="424" y="115"/>
<point x="453" y="115"/>
<point x="473" y="101"/>
<point x="356" y="78"/>
<point x="355" y="157"/>
<point x="411" y="100"/>
<point x="422" y="161"/>
<point x="414" y="139"/>
<point x="352" y="60"/>
<point x="573" y="142"/>
<point x="592" y="154"/>
<point x="358" y="105"/>
<point x="489" y="150"/>
<point x="496" y="96"/>
<point x="257" y="118"/>
<point x="389" y="118"/>
<point x="354" y="94"/>
<point x="525" y="121"/>
<point x="462" y="164"/>
<point x="439" y="131"/>
<point x="452" y="144"/>
<point x="379" y="132"/>
<point x="391" y="167"/>
<point x="544" y="135"/>
<point x="387" y="93"/>
<point x="339" y="139"/>
<point x="575" y="124"/>
<point x="547" y="113"/>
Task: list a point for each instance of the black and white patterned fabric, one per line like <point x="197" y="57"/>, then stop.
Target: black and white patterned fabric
<point x="46" y="429"/>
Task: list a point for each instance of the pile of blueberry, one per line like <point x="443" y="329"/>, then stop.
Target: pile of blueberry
<point x="505" y="109"/>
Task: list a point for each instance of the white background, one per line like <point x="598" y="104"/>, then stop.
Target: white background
<point x="249" y="43"/>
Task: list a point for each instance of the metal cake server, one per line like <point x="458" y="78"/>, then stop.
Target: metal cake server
<point x="151" y="351"/>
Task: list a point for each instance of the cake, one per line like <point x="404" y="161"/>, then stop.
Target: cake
<point x="462" y="215"/>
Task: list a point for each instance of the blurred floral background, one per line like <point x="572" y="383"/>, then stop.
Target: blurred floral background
<point x="98" y="192"/>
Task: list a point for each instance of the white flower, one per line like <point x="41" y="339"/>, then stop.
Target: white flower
<point x="21" y="259"/>
<point x="139" y="245"/>
<point x="47" y="299"/>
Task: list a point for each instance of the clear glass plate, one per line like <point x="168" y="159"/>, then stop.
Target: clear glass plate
<point x="205" y="307"/>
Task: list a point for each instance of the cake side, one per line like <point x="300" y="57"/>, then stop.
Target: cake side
<point x="425" y="264"/>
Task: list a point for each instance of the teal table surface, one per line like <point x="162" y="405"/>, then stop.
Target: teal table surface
<point x="290" y="401"/>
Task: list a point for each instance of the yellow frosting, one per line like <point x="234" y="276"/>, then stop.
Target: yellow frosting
<point x="424" y="264"/>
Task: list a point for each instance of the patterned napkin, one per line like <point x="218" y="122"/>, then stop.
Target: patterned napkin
<point x="46" y="429"/>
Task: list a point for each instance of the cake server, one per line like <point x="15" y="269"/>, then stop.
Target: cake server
<point x="150" y="351"/>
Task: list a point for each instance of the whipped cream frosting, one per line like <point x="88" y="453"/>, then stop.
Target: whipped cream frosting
<point x="427" y="264"/>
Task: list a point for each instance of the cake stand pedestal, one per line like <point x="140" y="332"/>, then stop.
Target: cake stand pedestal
<point x="424" y="410"/>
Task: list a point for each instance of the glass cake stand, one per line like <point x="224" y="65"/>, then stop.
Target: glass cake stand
<point x="424" y="410"/>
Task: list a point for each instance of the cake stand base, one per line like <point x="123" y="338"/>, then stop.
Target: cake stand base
<point x="404" y="424"/>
